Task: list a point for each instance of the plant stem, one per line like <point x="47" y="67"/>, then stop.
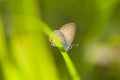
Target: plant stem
<point x="70" y="66"/>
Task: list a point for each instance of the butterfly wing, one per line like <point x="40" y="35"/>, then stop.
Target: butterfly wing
<point x="59" y="36"/>
<point x="69" y="31"/>
<point x="65" y="35"/>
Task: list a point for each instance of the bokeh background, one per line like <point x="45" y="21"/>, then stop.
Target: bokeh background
<point x="26" y="53"/>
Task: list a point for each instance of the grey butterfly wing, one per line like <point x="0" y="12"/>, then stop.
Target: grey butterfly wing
<point x="65" y="35"/>
<point x="59" y="35"/>
<point x="69" y="31"/>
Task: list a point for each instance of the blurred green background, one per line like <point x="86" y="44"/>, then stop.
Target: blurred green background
<point x="26" y="53"/>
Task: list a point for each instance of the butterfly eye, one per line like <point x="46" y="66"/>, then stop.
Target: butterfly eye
<point x="50" y="40"/>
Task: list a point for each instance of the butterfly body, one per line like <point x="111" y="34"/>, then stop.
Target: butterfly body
<point x="65" y="35"/>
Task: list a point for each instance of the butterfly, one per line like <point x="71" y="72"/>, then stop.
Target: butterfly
<point x="65" y="35"/>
